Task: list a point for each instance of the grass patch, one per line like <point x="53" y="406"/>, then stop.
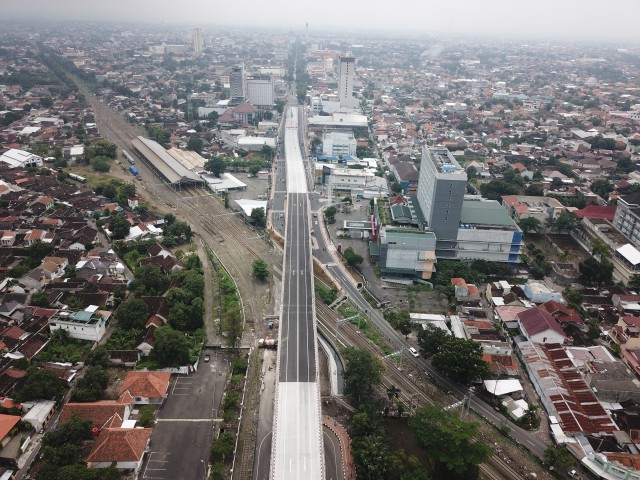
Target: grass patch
<point x="368" y="329"/>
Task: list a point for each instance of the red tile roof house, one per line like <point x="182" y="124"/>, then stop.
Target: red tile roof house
<point x="147" y="387"/>
<point x="539" y="326"/>
<point x="123" y="446"/>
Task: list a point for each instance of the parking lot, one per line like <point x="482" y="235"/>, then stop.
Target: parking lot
<point x="185" y="426"/>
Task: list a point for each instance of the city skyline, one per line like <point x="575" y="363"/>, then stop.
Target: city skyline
<point x="567" y="20"/>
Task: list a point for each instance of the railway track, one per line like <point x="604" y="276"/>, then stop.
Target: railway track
<point x="233" y="241"/>
<point x="412" y="392"/>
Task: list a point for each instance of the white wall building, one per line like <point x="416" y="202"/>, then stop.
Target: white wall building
<point x="20" y="158"/>
<point x="260" y="90"/>
<point x="346" y="74"/>
<point x="84" y="325"/>
<point x="339" y="143"/>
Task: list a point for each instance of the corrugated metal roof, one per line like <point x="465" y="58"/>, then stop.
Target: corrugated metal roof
<point x="168" y="166"/>
<point x="571" y="400"/>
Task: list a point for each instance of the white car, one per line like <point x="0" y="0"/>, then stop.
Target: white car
<point x="414" y="352"/>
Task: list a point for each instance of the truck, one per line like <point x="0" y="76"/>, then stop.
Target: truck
<point x="133" y="170"/>
<point x="268" y="343"/>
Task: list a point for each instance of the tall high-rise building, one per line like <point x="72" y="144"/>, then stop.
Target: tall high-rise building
<point x="236" y="83"/>
<point x="260" y="90"/>
<point x="197" y="40"/>
<point x="441" y="188"/>
<point x="346" y="73"/>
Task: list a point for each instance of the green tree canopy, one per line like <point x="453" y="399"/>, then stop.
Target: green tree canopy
<point x="216" y="165"/>
<point x="558" y="457"/>
<point x="461" y="360"/>
<point x="171" y="347"/>
<point x="362" y="373"/>
<point x="90" y="387"/>
<point x="594" y="272"/>
<point x="330" y="212"/>
<point x="101" y="164"/>
<point x="564" y="222"/>
<point x="149" y="280"/>
<point x="352" y="258"/>
<point x="132" y="313"/>
<point x="528" y="224"/>
<point x="40" y="384"/>
<point x="119" y="227"/>
<point x="602" y="187"/>
<point x="195" y="144"/>
<point x="431" y="338"/>
<point x="258" y="217"/>
<point x="448" y="440"/>
<point x="260" y="269"/>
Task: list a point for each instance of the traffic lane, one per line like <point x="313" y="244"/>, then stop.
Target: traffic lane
<point x="332" y="455"/>
<point x="263" y="462"/>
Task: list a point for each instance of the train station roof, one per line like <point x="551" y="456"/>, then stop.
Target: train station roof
<point x="170" y="168"/>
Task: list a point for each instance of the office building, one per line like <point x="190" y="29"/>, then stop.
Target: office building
<point x="197" y="40"/>
<point x="346" y="74"/>
<point x="260" y="90"/>
<point x="627" y="217"/>
<point x="466" y="227"/>
<point x="339" y="144"/>
<point x="441" y="188"/>
<point x="236" y="84"/>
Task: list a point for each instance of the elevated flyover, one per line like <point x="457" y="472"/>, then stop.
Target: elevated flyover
<point x="297" y="449"/>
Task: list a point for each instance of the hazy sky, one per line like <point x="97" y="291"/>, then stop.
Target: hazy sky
<point x="566" y="19"/>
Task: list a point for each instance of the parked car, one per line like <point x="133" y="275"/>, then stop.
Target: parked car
<point x="207" y="357"/>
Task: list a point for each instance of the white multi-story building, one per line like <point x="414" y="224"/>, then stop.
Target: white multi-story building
<point x="339" y="144"/>
<point x="260" y="90"/>
<point x="347" y="70"/>
<point x="87" y="324"/>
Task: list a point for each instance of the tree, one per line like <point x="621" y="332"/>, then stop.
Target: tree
<point x="101" y="164"/>
<point x="534" y="190"/>
<point x="258" y="217"/>
<point x="98" y="357"/>
<point x="217" y="166"/>
<point x="232" y="325"/>
<point x="104" y="148"/>
<point x="558" y="457"/>
<point x="497" y="188"/>
<point x="602" y="187"/>
<point x="330" y="212"/>
<point x="195" y="144"/>
<point x="396" y="187"/>
<point x="260" y="269"/>
<point x="472" y="172"/>
<point x="401" y="321"/>
<point x="594" y="272"/>
<point x="149" y="280"/>
<point x="625" y="165"/>
<point x="461" y="360"/>
<point x="430" y="339"/>
<point x="371" y="455"/>
<point x="171" y="347"/>
<point x="255" y="167"/>
<point x="223" y="447"/>
<point x="362" y="373"/>
<point x="40" y="299"/>
<point x="119" y="227"/>
<point x="530" y="223"/>
<point x="352" y="258"/>
<point x="449" y="441"/>
<point x="90" y="387"/>
<point x="40" y="384"/>
<point x="599" y="249"/>
<point x="132" y="313"/>
<point x="565" y="222"/>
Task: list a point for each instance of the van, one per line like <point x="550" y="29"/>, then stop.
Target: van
<point x="414" y="352"/>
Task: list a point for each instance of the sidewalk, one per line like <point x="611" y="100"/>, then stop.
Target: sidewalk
<point x="345" y="445"/>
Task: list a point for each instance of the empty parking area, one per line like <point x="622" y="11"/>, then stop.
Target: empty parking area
<point x="182" y="386"/>
<point x="156" y="467"/>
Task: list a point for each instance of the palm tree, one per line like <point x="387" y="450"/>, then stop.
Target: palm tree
<point x="393" y="392"/>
